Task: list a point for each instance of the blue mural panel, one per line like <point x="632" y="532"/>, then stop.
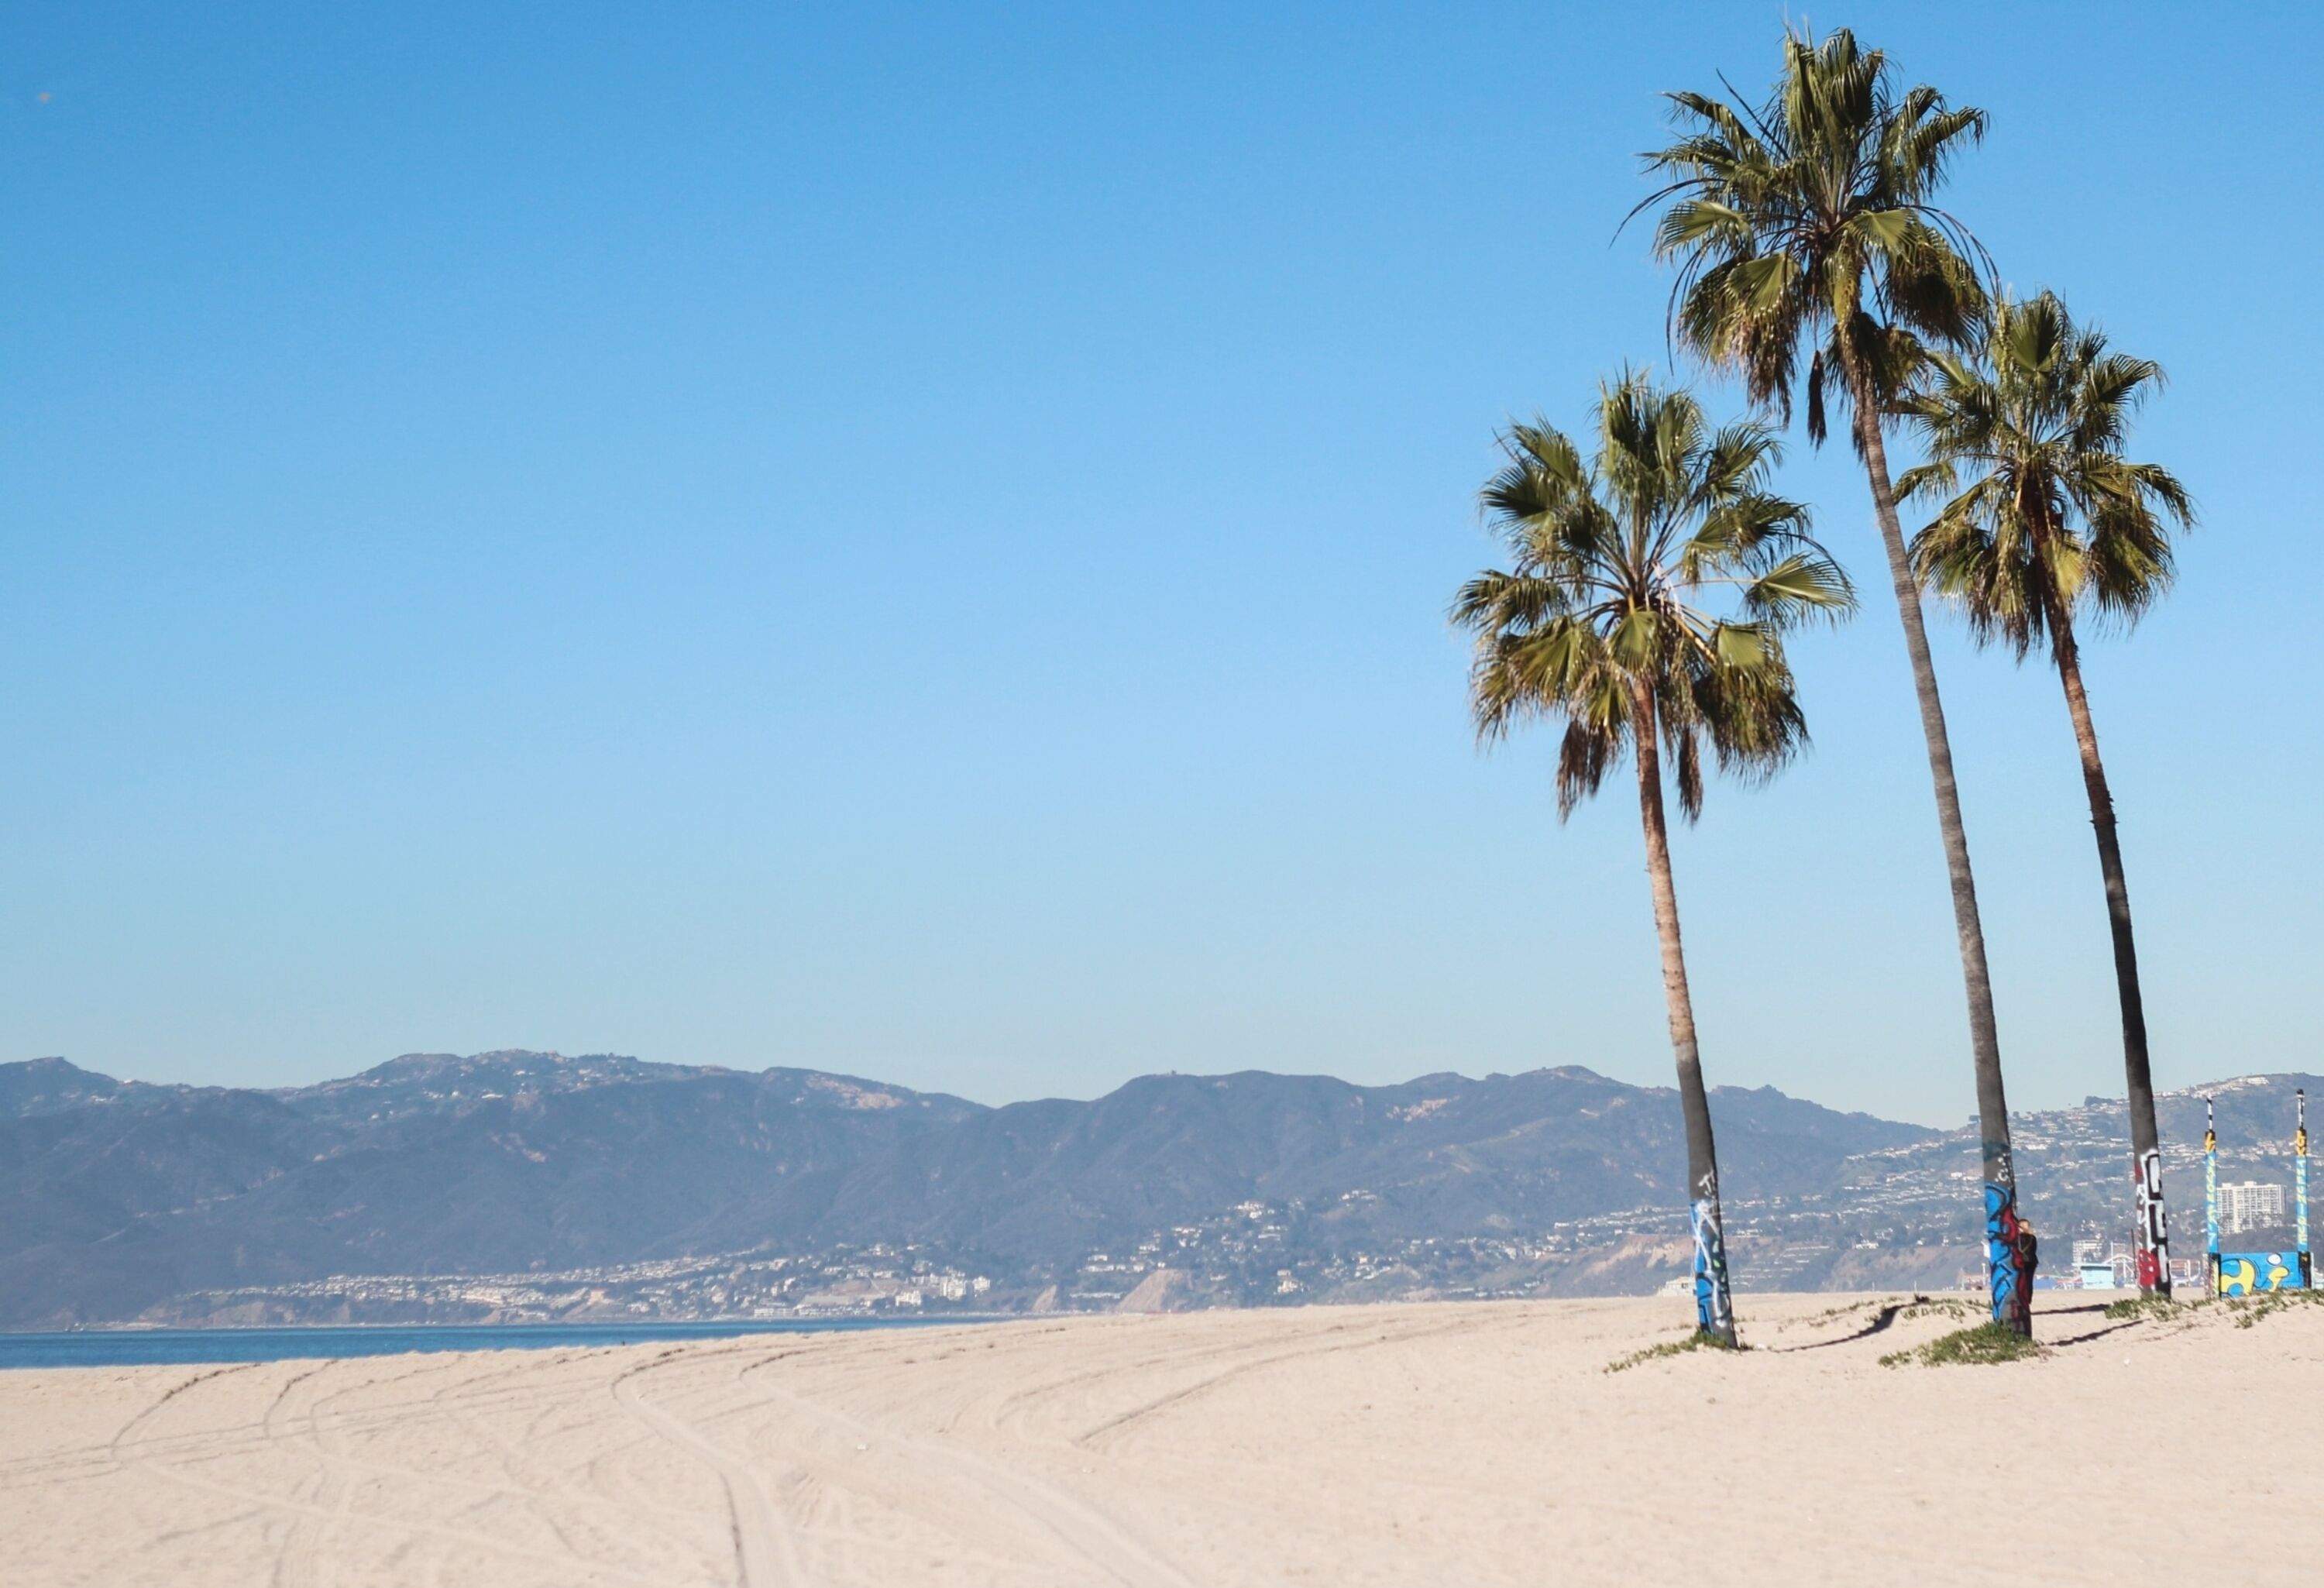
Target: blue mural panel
<point x="2247" y="1273"/>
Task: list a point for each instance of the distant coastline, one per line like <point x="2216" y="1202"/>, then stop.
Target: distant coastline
<point x="150" y="1345"/>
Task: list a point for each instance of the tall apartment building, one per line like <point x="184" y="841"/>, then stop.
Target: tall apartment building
<point x="2250" y="1204"/>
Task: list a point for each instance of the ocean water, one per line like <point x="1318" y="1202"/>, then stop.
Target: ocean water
<point x="90" y="1348"/>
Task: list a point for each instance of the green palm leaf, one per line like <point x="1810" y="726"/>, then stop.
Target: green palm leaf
<point x="1615" y="564"/>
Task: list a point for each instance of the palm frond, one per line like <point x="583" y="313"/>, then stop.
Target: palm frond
<point x="2045" y="516"/>
<point x="1615" y="562"/>
<point x="1791" y="222"/>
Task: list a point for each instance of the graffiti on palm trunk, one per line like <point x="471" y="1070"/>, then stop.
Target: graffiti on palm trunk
<point x="1712" y="1312"/>
<point x="2154" y="1234"/>
<point x="2008" y="1253"/>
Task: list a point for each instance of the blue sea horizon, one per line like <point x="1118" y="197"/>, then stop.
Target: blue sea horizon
<point x="150" y="1347"/>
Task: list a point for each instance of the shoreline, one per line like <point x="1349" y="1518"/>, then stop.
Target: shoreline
<point x="135" y="1329"/>
<point x="97" y="1349"/>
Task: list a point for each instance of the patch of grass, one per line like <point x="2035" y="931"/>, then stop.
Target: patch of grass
<point x="2268" y="1303"/>
<point x="1924" y="1307"/>
<point x="2142" y="1306"/>
<point x="1984" y="1344"/>
<point x="1696" y="1340"/>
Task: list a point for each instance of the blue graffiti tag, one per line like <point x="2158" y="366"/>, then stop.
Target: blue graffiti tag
<point x="1711" y="1311"/>
<point x="2001" y="1250"/>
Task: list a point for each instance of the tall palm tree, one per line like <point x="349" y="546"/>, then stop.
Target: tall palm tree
<point x="1599" y="622"/>
<point x="1805" y="226"/>
<point x="2043" y="518"/>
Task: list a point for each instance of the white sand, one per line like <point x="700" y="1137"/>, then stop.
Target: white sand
<point x="1394" y="1445"/>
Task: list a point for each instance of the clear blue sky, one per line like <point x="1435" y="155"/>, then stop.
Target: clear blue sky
<point x="916" y="542"/>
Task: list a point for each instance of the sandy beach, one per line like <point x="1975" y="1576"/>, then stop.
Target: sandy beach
<point x="1449" y="1444"/>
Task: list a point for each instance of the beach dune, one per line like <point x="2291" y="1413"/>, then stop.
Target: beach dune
<point x="1471" y="1444"/>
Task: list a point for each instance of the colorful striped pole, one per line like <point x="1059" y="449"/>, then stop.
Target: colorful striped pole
<point x="2300" y="1189"/>
<point x="2211" y="1195"/>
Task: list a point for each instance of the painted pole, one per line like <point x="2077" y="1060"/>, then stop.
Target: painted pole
<point x="2300" y="1189"/>
<point x="2152" y="1237"/>
<point x="1714" y="1309"/>
<point x="2211" y="1195"/>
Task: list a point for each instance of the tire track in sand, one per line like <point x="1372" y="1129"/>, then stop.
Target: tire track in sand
<point x="127" y="1453"/>
<point x="1086" y="1532"/>
<point x="764" y="1553"/>
<point x="305" y="1556"/>
<point x="1093" y="1438"/>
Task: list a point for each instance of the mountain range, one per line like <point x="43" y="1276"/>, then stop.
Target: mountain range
<point x="117" y="1196"/>
<point x="602" y="1182"/>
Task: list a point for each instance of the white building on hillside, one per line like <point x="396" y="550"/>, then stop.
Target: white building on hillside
<point x="2250" y="1204"/>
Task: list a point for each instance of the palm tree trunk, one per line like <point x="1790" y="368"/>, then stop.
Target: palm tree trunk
<point x="2152" y="1239"/>
<point x="2009" y="1286"/>
<point x="1714" y="1311"/>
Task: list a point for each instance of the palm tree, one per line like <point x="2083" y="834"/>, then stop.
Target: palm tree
<point x="1805" y="225"/>
<point x="1599" y="622"/>
<point x="2043" y="517"/>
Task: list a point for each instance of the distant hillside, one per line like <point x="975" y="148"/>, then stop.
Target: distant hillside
<point x="1443" y="1156"/>
<point x="117" y="1200"/>
<point x="48" y="1085"/>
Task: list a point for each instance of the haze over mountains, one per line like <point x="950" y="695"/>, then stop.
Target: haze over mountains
<point x="122" y="1201"/>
